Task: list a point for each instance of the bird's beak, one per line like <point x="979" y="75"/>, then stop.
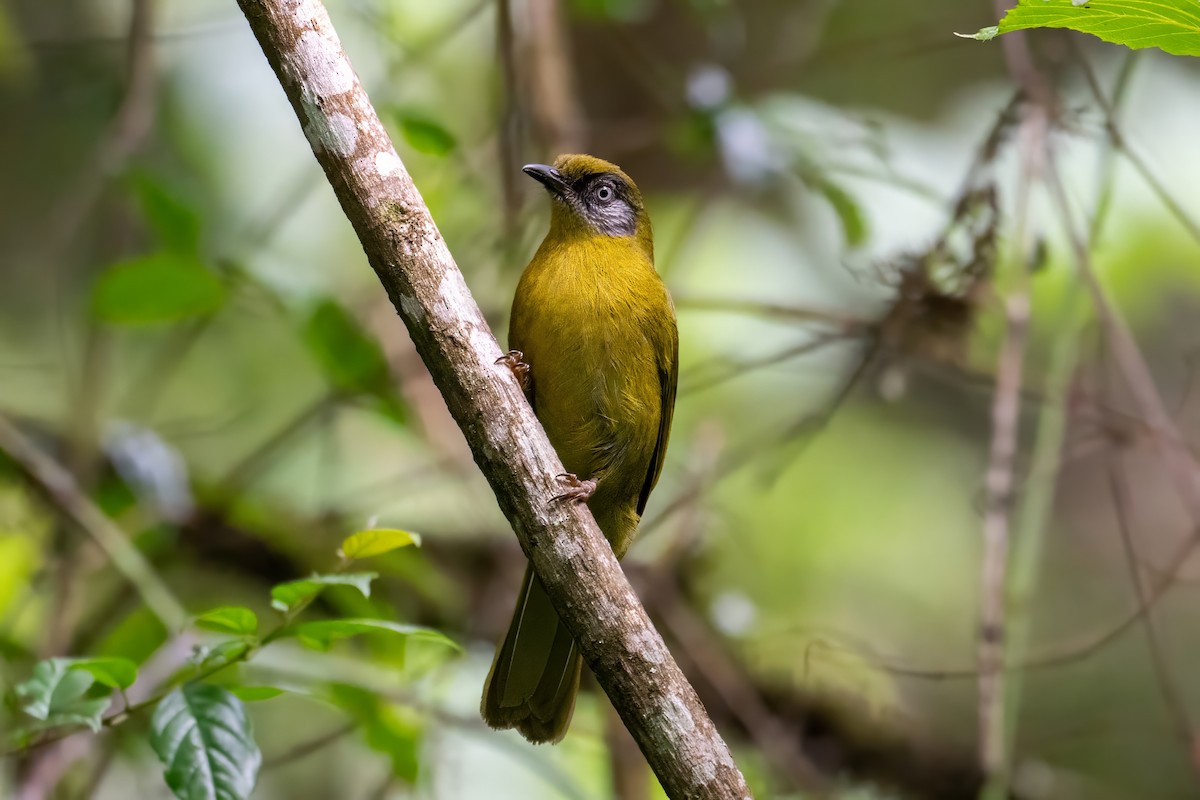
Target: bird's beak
<point x="548" y="176"/>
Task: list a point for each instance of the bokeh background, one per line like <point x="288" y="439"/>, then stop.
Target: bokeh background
<point x="188" y="324"/>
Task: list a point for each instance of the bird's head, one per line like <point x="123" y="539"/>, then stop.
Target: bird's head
<point x="592" y="196"/>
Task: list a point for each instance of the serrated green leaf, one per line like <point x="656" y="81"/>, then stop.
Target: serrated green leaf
<point x="853" y="225"/>
<point x="57" y="694"/>
<point x="175" y="223"/>
<point x="286" y="596"/>
<point x="393" y="730"/>
<point x="202" y="735"/>
<point x="254" y="694"/>
<point x="350" y="358"/>
<point x="376" y="542"/>
<point x="1170" y="25"/>
<point x="322" y="633"/>
<point x="229" y="619"/>
<point x="424" y="134"/>
<point x="162" y="287"/>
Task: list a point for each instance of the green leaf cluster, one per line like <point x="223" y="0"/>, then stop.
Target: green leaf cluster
<point x="73" y="691"/>
<point x="200" y="730"/>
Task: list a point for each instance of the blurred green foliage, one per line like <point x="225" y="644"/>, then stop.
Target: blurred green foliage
<point x="193" y="331"/>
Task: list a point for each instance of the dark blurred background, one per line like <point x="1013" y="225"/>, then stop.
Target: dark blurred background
<point x="188" y="324"/>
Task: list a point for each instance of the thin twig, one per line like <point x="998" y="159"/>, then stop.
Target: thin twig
<point x="253" y="464"/>
<point x="309" y="746"/>
<point x="629" y="776"/>
<point x="770" y="310"/>
<point x="717" y="667"/>
<point x="130" y="127"/>
<point x="724" y="372"/>
<point x="1173" y="448"/>
<point x="561" y="781"/>
<point x="1006" y="410"/>
<point x="508" y="142"/>
<point x="1048" y="456"/>
<point x="550" y="78"/>
<point x="58" y="486"/>
<point x="1172" y="694"/>
<point x="1108" y="162"/>
<point x="1121" y="142"/>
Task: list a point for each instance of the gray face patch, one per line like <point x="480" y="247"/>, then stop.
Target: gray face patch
<point x="605" y="202"/>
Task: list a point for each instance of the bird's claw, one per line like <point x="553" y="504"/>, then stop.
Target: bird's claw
<point x="513" y="359"/>
<point x="577" y="490"/>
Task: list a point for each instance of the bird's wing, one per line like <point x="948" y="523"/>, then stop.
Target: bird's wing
<point x="667" y="352"/>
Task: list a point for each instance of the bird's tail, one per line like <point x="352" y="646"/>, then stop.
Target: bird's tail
<point x="535" y="676"/>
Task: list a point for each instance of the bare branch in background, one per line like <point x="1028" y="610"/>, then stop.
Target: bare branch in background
<point x="252" y="465"/>
<point x="1116" y="135"/>
<point x="403" y="245"/>
<point x="626" y="767"/>
<point x="1173" y="448"/>
<point x="508" y="142"/>
<point x="842" y="323"/>
<point x="310" y="746"/>
<point x="58" y="486"/>
<point x="994" y="757"/>
<point x="1039" y="108"/>
<point x="125" y="135"/>
<point x="1172" y="694"/>
<point x="550" y="78"/>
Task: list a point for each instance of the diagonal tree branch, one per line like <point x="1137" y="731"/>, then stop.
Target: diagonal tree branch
<point x="629" y="658"/>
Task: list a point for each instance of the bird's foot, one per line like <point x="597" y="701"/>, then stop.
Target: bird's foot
<point x="577" y="491"/>
<point x="513" y="359"/>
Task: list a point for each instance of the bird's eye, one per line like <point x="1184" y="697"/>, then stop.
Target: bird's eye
<point x="604" y="194"/>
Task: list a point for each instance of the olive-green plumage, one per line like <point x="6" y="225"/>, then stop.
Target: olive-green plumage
<point x="597" y="328"/>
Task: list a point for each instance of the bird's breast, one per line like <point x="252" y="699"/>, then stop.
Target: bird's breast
<point x="580" y="316"/>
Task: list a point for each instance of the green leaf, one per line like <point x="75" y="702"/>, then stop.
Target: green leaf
<point x="176" y="224"/>
<point x="286" y="596"/>
<point x="350" y="358"/>
<point x="115" y="673"/>
<point x="58" y="694"/>
<point x="322" y="633"/>
<point x="253" y="694"/>
<point x="376" y="542"/>
<point x="162" y="287"/>
<point x="425" y="135"/>
<point x="393" y="730"/>
<point x="853" y="225"/>
<point x="203" y="736"/>
<point x="1170" y="25"/>
<point x="229" y="619"/>
<point x="224" y="653"/>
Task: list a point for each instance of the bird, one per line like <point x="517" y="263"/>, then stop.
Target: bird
<point x="594" y="342"/>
